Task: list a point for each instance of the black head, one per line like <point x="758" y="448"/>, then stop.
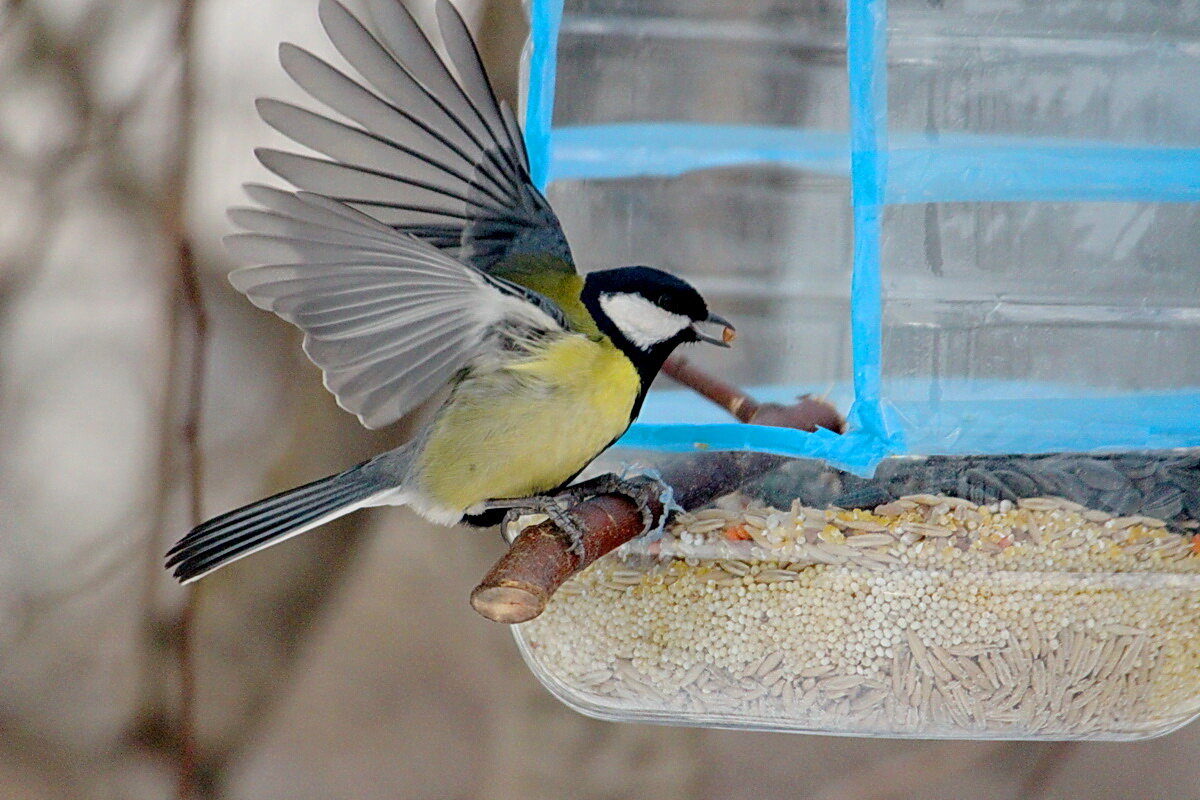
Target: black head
<point x="648" y="313"/>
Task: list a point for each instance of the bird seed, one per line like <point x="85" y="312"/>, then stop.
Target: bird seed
<point x="927" y="616"/>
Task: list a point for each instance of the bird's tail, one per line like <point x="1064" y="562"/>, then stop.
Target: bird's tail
<point x="247" y="530"/>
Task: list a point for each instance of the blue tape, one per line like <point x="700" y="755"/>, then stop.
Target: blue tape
<point x="854" y="452"/>
<point x="970" y="416"/>
<point x="866" y="56"/>
<point x="673" y="148"/>
<point x="544" y="23"/>
<point x="957" y="167"/>
<point x="1000" y="168"/>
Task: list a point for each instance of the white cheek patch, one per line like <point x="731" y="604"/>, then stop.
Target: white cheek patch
<point x="642" y="322"/>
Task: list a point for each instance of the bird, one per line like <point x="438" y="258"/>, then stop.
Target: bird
<point x="425" y="269"/>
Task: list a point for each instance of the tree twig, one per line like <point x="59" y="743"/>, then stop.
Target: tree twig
<point x="520" y="584"/>
<point x="187" y="282"/>
<point x="806" y="414"/>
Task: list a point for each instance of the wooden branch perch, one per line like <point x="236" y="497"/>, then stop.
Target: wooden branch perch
<point x="805" y="414"/>
<point x="521" y="583"/>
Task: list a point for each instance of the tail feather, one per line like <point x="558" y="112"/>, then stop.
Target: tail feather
<point x="222" y="529"/>
<point x="246" y="530"/>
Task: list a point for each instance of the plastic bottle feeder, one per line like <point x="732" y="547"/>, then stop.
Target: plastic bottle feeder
<point x="972" y="222"/>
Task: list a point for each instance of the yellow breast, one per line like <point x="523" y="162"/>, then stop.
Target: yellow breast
<point x="530" y="425"/>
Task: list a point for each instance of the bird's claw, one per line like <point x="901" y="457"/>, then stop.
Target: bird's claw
<point x="640" y="490"/>
<point x="568" y="523"/>
<point x="557" y="509"/>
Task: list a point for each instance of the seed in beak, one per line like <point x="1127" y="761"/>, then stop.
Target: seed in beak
<point x="727" y="332"/>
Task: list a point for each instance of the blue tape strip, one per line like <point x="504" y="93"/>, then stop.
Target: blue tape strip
<point x="1000" y="168"/>
<point x="855" y="452"/>
<point x="955" y="167"/>
<point x="673" y="148"/>
<point x="544" y="23"/>
<point x="971" y="416"/>
<point x="866" y="55"/>
<point x="1130" y="421"/>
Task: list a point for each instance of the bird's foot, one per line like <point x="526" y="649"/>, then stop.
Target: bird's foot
<point x="641" y="490"/>
<point x="557" y="508"/>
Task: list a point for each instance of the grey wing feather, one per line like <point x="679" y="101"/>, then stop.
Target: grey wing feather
<point x="427" y="149"/>
<point x="388" y="318"/>
<point x="472" y="76"/>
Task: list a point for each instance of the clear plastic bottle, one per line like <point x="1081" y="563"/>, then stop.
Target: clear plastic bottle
<point x="982" y="214"/>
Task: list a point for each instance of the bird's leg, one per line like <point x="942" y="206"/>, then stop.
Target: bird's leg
<point x="557" y="508"/>
<point x="640" y="490"/>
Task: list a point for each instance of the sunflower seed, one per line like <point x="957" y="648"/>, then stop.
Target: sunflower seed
<point x="1099" y="475"/>
<point x="1125" y="500"/>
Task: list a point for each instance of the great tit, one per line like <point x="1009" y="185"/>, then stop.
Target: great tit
<point x="419" y="259"/>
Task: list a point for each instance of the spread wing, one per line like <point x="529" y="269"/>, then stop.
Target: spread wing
<point x="426" y="150"/>
<point x="388" y="318"/>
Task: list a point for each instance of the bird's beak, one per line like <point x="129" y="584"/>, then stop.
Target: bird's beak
<point x="727" y="332"/>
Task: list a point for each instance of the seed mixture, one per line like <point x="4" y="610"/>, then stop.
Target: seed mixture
<point x="928" y="615"/>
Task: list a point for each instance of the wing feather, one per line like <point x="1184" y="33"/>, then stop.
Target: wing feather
<point x="388" y="318"/>
<point x="343" y="94"/>
<point x="473" y="79"/>
<point x="348" y="144"/>
<point x="425" y="149"/>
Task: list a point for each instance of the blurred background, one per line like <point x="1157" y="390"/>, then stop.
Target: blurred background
<point x="139" y="393"/>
